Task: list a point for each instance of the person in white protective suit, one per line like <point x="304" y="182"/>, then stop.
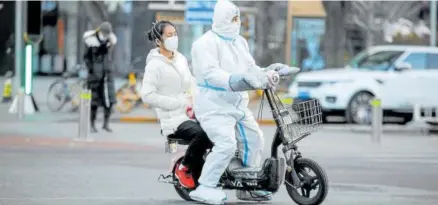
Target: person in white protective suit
<point x="225" y="70"/>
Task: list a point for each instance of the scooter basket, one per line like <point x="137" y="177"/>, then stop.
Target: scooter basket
<point x="299" y="119"/>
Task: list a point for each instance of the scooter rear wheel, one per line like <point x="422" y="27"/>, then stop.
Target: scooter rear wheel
<point x="317" y="181"/>
<point x="180" y="190"/>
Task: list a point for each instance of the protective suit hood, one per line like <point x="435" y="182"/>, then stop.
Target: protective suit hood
<point x="224" y="11"/>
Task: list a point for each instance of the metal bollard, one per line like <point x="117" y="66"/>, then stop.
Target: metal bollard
<point x="84" y="115"/>
<point x="20" y="104"/>
<point x="377" y="122"/>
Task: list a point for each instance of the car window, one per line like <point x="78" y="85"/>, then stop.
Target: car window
<point x="417" y="60"/>
<point x="432" y="61"/>
<point x="381" y="60"/>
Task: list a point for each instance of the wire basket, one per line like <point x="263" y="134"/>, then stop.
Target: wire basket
<point x="299" y="119"/>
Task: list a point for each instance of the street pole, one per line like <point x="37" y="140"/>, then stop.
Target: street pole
<point x="433" y="16"/>
<point x="19" y="44"/>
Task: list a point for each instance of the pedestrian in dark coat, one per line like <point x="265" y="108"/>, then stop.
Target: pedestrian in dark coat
<point x="99" y="44"/>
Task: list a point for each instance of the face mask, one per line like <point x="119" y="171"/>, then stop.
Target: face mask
<point x="235" y="28"/>
<point x="103" y="37"/>
<point x="171" y="43"/>
<point x="230" y="31"/>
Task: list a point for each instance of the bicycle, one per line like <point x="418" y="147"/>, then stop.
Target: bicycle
<point x="128" y="96"/>
<point x="294" y="123"/>
<point x="65" y="92"/>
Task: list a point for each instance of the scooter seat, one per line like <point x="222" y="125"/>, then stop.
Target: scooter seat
<point x="236" y="169"/>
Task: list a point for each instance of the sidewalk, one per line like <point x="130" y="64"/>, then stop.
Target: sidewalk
<point x="41" y="87"/>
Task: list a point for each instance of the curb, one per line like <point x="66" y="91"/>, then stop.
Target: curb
<point x="139" y="119"/>
<point x="135" y="119"/>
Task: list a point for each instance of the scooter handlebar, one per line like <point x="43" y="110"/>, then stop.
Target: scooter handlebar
<point x="287" y="71"/>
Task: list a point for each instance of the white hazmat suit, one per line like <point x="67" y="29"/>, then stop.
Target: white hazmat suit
<point x="224" y="69"/>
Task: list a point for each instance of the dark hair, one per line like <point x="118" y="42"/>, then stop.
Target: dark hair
<point x="156" y="31"/>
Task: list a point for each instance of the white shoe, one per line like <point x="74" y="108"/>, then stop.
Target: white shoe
<point x="254" y="195"/>
<point x="209" y="195"/>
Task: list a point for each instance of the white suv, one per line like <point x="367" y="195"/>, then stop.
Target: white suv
<point x="347" y="91"/>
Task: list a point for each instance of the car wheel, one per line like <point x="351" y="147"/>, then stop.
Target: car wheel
<point x="359" y="109"/>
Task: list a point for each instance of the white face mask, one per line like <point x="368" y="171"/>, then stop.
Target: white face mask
<point x="103" y="37"/>
<point x="171" y="43"/>
<point x="230" y="30"/>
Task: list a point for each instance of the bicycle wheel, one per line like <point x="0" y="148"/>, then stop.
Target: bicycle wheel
<point x="126" y="99"/>
<point x="58" y="95"/>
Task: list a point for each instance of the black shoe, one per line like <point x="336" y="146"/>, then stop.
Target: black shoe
<point x="93" y="129"/>
<point x="106" y="128"/>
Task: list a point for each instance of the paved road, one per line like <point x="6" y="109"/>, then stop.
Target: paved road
<point x="41" y="165"/>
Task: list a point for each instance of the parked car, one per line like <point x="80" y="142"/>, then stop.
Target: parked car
<point x="347" y="91"/>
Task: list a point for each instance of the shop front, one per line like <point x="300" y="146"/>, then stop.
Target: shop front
<point x="306" y="26"/>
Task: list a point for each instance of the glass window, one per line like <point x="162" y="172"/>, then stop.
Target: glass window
<point x="417" y="61"/>
<point x="381" y="60"/>
<point x="432" y="61"/>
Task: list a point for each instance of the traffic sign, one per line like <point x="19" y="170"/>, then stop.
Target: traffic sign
<point x="199" y="11"/>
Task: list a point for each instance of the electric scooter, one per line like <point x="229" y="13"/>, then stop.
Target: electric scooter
<point x="294" y="123"/>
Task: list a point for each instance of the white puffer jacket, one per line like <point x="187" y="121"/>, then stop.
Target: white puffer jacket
<point x="167" y="86"/>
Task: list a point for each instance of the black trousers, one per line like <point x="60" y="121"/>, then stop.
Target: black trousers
<point x="98" y="100"/>
<point x="106" y="114"/>
<point x="199" y="143"/>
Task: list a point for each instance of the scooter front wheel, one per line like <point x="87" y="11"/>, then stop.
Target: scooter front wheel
<point x="313" y="179"/>
<point x="180" y="190"/>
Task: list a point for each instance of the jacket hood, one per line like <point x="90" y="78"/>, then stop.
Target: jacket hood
<point x="90" y="39"/>
<point x="155" y="54"/>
